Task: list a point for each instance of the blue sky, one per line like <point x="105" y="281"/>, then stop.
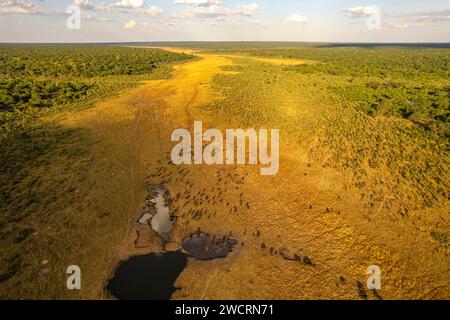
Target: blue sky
<point x="225" y="20"/>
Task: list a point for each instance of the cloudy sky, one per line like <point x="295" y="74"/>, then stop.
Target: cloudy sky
<point x="224" y="20"/>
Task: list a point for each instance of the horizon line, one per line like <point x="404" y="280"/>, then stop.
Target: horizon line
<point x="233" y="41"/>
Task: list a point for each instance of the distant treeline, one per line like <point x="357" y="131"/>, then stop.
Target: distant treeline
<point x="407" y="81"/>
<point x="38" y="78"/>
<point x="285" y="44"/>
<point x="43" y="76"/>
<point x="87" y="61"/>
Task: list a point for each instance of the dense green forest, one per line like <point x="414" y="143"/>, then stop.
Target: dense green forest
<point x="81" y="61"/>
<point x="36" y="79"/>
<point x="409" y="82"/>
<point x="19" y="94"/>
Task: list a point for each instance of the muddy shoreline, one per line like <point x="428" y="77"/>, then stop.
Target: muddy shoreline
<point x="151" y="276"/>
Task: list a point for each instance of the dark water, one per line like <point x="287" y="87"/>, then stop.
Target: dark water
<point x="147" y="277"/>
<point x="202" y="246"/>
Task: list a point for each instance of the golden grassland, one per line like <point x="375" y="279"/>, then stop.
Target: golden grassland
<point x="327" y="203"/>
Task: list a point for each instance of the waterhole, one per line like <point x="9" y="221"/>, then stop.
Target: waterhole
<point x="161" y="222"/>
<point x="147" y="277"/>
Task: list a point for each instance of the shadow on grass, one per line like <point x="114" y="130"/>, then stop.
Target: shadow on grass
<point x="39" y="169"/>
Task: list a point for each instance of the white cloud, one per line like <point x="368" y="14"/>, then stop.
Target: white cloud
<point x="91" y="17"/>
<point x="19" y="7"/>
<point x="419" y="20"/>
<point x="215" y="11"/>
<point x="297" y="18"/>
<point x="103" y="7"/>
<point x="248" y="9"/>
<point x="130" y="25"/>
<point x="130" y="4"/>
<point x="84" y="4"/>
<point x="198" y="2"/>
<point x="407" y="25"/>
<point x="361" y="12"/>
<point x="153" y="11"/>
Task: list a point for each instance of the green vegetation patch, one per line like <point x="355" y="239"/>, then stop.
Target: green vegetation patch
<point x="18" y="94"/>
<point x="37" y="78"/>
<point x="440" y="237"/>
<point x="426" y="105"/>
<point x="82" y="61"/>
<point x="379" y="114"/>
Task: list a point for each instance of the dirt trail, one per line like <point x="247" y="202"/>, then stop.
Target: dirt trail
<point x="299" y="233"/>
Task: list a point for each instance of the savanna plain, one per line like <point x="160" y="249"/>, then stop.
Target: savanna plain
<point x="364" y="155"/>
